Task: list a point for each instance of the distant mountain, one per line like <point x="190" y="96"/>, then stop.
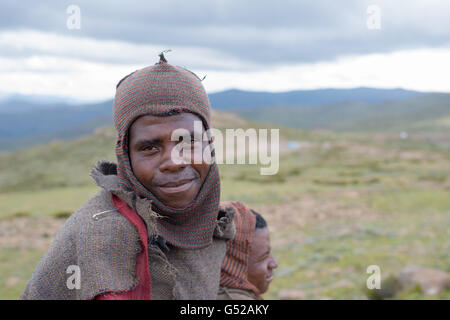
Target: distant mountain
<point x="229" y="99"/>
<point x="25" y="123"/>
<point x="29" y="100"/>
<point x="52" y="119"/>
<point x="430" y="112"/>
<point x="22" y="106"/>
<point x="41" y="124"/>
<point x="238" y="99"/>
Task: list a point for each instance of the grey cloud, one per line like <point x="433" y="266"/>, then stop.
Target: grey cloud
<point x="261" y="32"/>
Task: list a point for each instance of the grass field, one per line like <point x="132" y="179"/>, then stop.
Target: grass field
<point x="340" y="203"/>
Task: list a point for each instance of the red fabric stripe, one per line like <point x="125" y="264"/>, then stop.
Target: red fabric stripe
<point x="143" y="289"/>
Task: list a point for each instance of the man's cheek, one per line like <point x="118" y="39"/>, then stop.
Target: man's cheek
<point x="143" y="175"/>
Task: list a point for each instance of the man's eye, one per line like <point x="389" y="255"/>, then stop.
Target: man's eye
<point x="149" y="148"/>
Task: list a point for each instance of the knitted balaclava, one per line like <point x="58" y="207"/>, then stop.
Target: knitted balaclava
<point x="157" y="90"/>
<point x="234" y="273"/>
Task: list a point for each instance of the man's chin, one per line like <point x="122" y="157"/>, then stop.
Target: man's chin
<point x="265" y="288"/>
<point x="263" y="291"/>
<point x="178" y="200"/>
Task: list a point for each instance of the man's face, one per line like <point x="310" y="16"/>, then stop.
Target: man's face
<point x="150" y="150"/>
<point x="261" y="262"/>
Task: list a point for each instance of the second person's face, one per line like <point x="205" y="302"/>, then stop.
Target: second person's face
<point x="261" y="260"/>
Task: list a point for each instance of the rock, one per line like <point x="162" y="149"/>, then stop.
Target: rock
<point x="390" y="286"/>
<point x="431" y="281"/>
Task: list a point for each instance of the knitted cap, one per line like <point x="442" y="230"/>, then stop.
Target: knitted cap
<point x="234" y="273"/>
<point x="157" y="90"/>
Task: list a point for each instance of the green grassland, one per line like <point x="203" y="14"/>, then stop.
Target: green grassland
<point x="339" y="203"/>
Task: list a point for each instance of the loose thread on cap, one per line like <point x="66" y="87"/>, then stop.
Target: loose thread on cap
<point x="162" y="59"/>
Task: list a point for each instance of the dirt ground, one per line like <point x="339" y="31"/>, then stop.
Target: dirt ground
<point x="38" y="233"/>
<point x="25" y="232"/>
<point x="283" y="219"/>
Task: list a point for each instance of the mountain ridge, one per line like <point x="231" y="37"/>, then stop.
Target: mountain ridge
<point x="359" y="109"/>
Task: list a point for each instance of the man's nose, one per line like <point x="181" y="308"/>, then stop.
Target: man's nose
<point x="273" y="264"/>
<point x="172" y="160"/>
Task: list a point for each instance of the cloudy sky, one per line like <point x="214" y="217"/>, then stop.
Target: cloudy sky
<point x="253" y="44"/>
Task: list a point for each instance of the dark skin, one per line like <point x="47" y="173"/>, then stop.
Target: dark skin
<point x="150" y="151"/>
<point x="261" y="261"/>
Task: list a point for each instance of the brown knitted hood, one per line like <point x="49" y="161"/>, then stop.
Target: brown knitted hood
<point x="235" y="265"/>
<point x="157" y="90"/>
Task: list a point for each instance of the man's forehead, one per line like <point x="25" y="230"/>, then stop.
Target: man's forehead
<point x="148" y="119"/>
<point x="149" y="125"/>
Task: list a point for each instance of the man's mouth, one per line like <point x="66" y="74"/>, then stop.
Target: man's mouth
<point x="269" y="278"/>
<point x="177" y="187"/>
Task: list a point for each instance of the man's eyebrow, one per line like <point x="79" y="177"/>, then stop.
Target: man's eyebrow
<point x="146" y="142"/>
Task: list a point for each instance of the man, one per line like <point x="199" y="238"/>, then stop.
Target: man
<point x="154" y="230"/>
<point x="248" y="266"/>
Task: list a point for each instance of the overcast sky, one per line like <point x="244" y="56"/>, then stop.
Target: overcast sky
<point x="255" y="45"/>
